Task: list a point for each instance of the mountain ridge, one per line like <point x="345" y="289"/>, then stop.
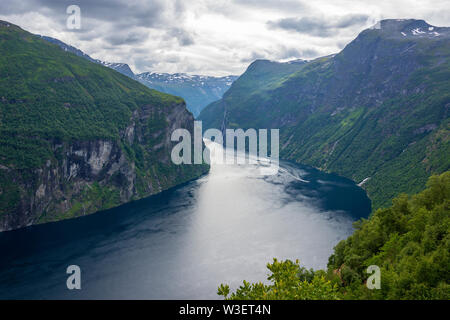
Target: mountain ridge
<point x="197" y="90"/>
<point x="378" y="111"/>
<point x="77" y="137"/>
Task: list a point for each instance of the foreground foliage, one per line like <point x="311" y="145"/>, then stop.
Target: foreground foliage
<point x="409" y="241"/>
<point x="289" y="282"/>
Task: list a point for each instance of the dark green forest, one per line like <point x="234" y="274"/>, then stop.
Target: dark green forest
<point x="51" y="101"/>
<point x="48" y="94"/>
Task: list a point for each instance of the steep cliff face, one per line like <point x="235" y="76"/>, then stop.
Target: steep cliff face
<point x="377" y="112"/>
<point x="77" y="137"/>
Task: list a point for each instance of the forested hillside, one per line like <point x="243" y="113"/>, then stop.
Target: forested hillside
<point x="377" y="112"/>
<point x="77" y="137"/>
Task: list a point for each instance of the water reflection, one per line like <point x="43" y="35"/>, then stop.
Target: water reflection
<point x="182" y="243"/>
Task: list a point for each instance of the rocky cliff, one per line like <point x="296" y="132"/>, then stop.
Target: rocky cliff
<point x="77" y="137"/>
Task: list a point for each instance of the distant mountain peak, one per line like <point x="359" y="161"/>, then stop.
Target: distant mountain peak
<point x="197" y="90"/>
<point x="119" y="67"/>
<point x="410" y="28"/>
<point x="6" y="24"/>
<point x="181" y="77"/>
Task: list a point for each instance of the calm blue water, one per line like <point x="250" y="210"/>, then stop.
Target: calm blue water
<point x="184" y="242"/>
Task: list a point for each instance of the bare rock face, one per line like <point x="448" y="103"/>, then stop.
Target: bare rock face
<point x="88" y="176"/>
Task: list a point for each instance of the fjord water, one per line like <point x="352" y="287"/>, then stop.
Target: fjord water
<point x="184" y="242"/>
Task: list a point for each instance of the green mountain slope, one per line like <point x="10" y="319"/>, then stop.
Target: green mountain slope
<point x="376" y="112"/>
<point x="409" y="241"/>
<point x="77" y="137"/>
<point x="198" y="91"/>
<point x="261" y="75"/>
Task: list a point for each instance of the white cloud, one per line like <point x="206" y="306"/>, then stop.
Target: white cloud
<point x="214" y="37"/>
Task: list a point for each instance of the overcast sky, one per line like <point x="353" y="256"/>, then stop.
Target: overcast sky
<point x="213" y="37"/>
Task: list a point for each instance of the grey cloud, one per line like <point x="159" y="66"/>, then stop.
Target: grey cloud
<point x="116" y="30"/>
<point x="351" y="20"/>
<point x="146" y="13"/>
<point x="120" y="14"/>
<point x="270" y="4"/>
<point x="172" y="59"/>
<point x="117" y="22"/>
<point x="125" y="37"/>
<point x="319" y="26"/>
<point x="144" y="63"/>
<point x="88" y="35"/>
<point x="254" y="56"/>
<point x="184" y="38"/>
<point x="309" y="53"/>
<point x="286" y="53"/>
